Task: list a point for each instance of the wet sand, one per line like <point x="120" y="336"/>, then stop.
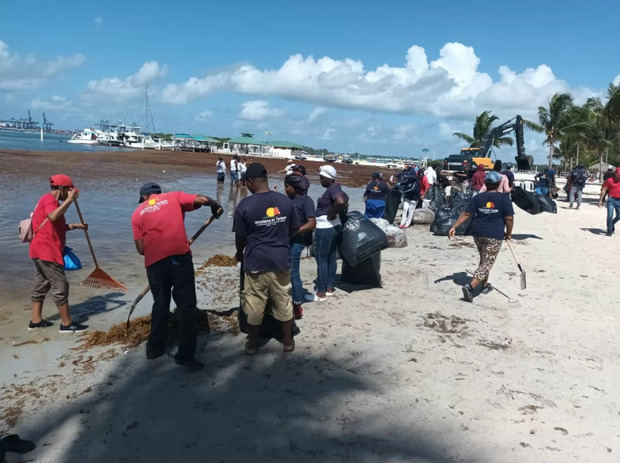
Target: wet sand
<point x="404" y="373"/>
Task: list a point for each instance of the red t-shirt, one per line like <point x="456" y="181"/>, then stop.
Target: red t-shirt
<point x="49" y="242"/>
<point x="424" y="185"/>
<point x="613" y="187"/>
<point x="159" y="221"/>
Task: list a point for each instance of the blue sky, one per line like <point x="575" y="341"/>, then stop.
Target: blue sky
<point x="375" y="77"/>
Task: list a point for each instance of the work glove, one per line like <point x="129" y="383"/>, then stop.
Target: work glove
<point x="216" y="209"/>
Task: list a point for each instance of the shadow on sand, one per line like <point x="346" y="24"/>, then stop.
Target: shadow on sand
<point x="459" y="278"/>
<point x="269" y="407"/>
<point x="595" y="231"/>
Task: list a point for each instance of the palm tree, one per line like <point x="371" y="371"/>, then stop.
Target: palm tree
<point x="482" y="127"/>
<point x="554" y="118"/>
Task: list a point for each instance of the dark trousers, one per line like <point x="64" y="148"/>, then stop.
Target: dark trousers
<point x="173" y="276"/>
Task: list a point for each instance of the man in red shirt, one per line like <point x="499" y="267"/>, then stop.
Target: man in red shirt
<point x="159" y="234"/>
<point x="477" y="180"/>
<point x="611" y="186"/>
<point x="46" y="251"/>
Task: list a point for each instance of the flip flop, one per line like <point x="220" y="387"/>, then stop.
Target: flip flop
<point x="12" y="443"/>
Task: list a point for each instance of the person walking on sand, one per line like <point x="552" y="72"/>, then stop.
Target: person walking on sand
<point x="159" y="234"/>
<point x="578" y="178"/>
<point x="611" y="186"/>
<point x="504" y="185"/>
<point x="375" y="195"/>
<point x="263" y="225"/>
<point x="328" y="226"/>
<point x="234" y="170"/>
<point x="409" y="185"/>
<point x="46" y="251"/>
<point x="477" y="180"/>
<point x="492" y="221"/>
<point x="220" y="167"/>
<point x="296" y="187"/>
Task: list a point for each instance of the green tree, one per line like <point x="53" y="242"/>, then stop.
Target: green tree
<point x="482" y="127"/>
<point x="554" y="118"/>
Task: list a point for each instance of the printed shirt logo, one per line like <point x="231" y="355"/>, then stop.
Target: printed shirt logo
<point x="376" y="188"/>
<point x="272" y="212"/>
<point x="273" y="216"/>
<point x="153" y="206"/>
<point x="490" y="205"/>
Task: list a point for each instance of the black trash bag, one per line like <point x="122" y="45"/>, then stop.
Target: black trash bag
<point x="546" y="204"/>
<point x="439" y="199"/>
<point x="360" y="239"/>
<point x="366" y="273"/>
<point x="271" y="328"/>
<point x="459" y="201"/>
<point x="525" y="200"/>
<point x="391" y="205"/>
<point x="445" y="218"/>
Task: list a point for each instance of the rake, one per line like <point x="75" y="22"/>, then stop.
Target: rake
<point x="147" y="288"/>
<point x="98" y="278"/>
<point x="523" y="280"/>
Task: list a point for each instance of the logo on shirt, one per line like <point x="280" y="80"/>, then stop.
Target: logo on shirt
<point x="153" y="206"/>
<point x="272" y="212"/>
<point x="490" y="205"/>
<point x="376" y="188"/>
<point x="152" y="202"/>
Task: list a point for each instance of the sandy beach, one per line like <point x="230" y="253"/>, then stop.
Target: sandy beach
<point x="404" y="373"/>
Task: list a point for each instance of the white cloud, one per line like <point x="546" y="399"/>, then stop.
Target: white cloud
<point x="98" y="22"/>
<point x="328" y="134"/>
<point x="116" y="89"/>
<point x="316" y="113"/>
<point x="617" y="80"/>
<point x="204" y="116"/>
<point x="405" y="132"/>
<point x="23" y="73"/>
<point x="54" y="103"/>
<point x="257" y="110"/>
<point x="450" y="86"/>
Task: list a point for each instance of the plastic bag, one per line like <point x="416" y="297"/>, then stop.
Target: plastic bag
<point x="72" y="262"/>
<point x="367" y="272"/>
<point x="445" y="218"/>
<point x="381" y="223"/>
<point x="525" y="200"/>
<point x="391" y="204"/>
<point x="360" y="239"/>
<point x="546" y="204"/>
<point x="396" y="237"/>
<point x="423" y="215"/>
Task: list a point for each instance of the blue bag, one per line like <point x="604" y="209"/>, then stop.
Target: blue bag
<point x="72" y="262"/>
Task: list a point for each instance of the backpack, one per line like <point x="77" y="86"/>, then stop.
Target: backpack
<point x="579" y="177"/>
<point x="24" y="229"/>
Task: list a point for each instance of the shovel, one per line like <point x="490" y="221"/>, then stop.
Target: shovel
<point x="98" y="278"/>
<point x="523" y="281"/>
<point x="147" y="288"/>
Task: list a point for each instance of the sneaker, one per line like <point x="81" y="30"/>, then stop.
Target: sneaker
<point x="486" y="289"/>
<point x="191" y="363"/>
<point x="41" y="324"/>
<point x="319" y="299"/>
<point x="608" y="234"/>
<point x="570" y="206"/>
<point x="330" y="293"/>
<point x="298" y="311"/>
<point x="468" y="293"/>
<point x="577" y="207"/>
<point x="72" y="328"/>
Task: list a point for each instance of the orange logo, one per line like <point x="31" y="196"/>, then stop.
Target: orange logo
<point x="152" y="202"/>
<point x="273" y="211"/>
<point x="490" y="205"/>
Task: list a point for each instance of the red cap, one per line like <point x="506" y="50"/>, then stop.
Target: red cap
<point x="61" y="180"/>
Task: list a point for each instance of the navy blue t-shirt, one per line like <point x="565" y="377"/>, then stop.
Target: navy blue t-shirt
<point x="304" y="207"/>
<point x="377" y="189"/>
<point x="326" y="200"/>
<point x="267" y="220"/>
<point x="488" y="210"/>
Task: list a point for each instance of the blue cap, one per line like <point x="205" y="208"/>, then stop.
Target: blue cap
<point x="493" y="177"/>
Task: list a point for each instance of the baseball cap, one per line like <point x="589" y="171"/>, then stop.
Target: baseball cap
<point x="327" y="172"/>
<point x="493" y="177"/>
<point x="376" y="175"/>
<point x="148" y="189"/>
<point x="61" y="180"/>
<point x="256" y="170"/>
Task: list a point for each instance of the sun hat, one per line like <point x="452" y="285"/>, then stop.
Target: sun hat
<point x="327" y="172"/>
<point x="148" y="189"/>
<point x="61" y="180"/>
<point x="493" y="177"/>
<point x="256" y="170"/>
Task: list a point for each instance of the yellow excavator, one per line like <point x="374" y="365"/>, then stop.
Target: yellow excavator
<point x="472" y="157"/>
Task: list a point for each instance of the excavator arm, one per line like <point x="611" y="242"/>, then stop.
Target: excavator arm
<point x="524" y="162"/>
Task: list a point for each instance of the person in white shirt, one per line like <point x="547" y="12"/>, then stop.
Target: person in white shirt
<point x="220" y="167"/>
<point x="242" y="168"/>
<point x="431" y="175"/>
<point x="234" y="170"/>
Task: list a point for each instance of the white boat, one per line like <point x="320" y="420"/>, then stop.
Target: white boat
<point x="86" y="137"/>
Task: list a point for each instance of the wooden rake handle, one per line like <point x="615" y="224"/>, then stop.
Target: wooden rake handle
<point x="90" y="245"/>
<point x="513" y="254"/>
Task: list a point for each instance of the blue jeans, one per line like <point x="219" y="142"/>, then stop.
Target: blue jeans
<point x="612" y="204"/>
<point x="326" y="253"/>
<point x="297" y="290"/>
<point x="579" y="192"/>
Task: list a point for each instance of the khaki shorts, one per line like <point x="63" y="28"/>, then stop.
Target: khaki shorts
<point x="49" y="275"/>
<point x="263" y="286"/>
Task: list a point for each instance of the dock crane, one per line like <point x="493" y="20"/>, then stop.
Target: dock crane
<point x="47" y="125"/>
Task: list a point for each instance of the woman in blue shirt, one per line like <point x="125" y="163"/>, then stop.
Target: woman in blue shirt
<point x="492" y="221"/>
<point x="296" y="187"/>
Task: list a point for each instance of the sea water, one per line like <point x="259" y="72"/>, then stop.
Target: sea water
<point x="31" y="141"/>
